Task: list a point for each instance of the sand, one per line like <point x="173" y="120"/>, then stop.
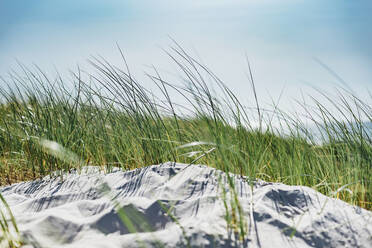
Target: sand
<point x="171" y="205"/>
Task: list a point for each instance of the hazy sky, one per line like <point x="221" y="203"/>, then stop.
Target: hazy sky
<point x="281" y="38"/>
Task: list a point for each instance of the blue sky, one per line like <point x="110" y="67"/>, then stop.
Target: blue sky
<point x="281" y="38"/>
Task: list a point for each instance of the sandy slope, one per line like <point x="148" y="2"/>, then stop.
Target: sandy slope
<point x="77" y="212"/>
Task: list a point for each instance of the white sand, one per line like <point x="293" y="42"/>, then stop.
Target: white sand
<point x="75" y="212"/>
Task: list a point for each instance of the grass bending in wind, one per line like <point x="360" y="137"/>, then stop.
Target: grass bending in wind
<point x="108" y="118"/>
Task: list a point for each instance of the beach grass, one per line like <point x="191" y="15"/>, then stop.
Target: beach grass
<point x="9" y="233"/>
<point x="108" y="118"/>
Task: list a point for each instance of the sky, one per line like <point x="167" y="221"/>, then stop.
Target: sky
<point x="283" y="40"/>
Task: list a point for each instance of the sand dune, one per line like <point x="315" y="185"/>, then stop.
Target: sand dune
<point x="172" y="206"/>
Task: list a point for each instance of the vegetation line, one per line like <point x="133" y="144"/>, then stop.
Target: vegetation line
<point x="109" y="118"/>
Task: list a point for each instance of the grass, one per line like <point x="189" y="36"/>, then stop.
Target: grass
<point x="9" y="233"/>
<point x="108" y="118"/>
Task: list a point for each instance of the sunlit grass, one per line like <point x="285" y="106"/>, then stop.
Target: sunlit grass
<point x="107" y="118"/>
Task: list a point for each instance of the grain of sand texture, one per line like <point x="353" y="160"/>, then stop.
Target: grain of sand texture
<point x="172" y="205"/>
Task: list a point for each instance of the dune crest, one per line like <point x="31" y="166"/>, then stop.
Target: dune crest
<point x="169" y="205"/>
